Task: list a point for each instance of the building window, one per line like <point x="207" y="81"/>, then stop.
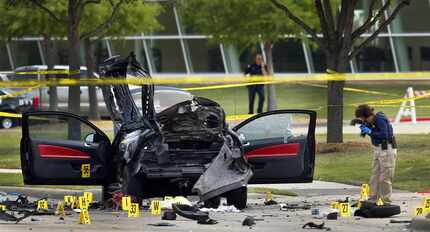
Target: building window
<point x="413" y="53"/>
<point x="205" y="57"/>
<point x="167" y="20"/>
<point x="377" y="57"/>
<point x="166" y="55"/>
<point x="4" y="59"/>
<point x="25" y="53"/>
<point x="413" y="18"/>
<point x="125" y="47"/>
<point x="288" y="57"/>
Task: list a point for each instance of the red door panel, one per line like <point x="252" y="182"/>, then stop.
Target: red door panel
<point x="52" y="151"/>
<point x="278" y="150"/>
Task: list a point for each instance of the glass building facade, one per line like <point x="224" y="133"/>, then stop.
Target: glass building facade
<point x="404" y="46"/>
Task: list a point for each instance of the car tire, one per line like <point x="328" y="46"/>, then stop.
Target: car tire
<point x="6" y="123"/>
<point x="237" y="197"/>
<point x="132" y="185"/>
<point x="213" y="203"/>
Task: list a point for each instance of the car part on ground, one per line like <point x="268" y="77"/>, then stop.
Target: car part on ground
<point x="313" y="225"/>
<point x="370" y="209"/>
<point x="190" y="212"/>
<point x="248" y="221"/>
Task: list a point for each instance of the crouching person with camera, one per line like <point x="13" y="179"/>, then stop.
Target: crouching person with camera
<point x="379" y="128"/>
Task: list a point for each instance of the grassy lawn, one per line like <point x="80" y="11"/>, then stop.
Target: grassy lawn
<point x="296" y="96"/>
<point x="353" y="165"/>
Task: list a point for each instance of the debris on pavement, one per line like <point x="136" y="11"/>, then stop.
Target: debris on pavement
<point x="193" y="213"/>
<point x="207" y="221"/>
<point x="25" y="214"/>
<point x="370" y="209"/>
<point x="270" y="202"/>
<point x="295" y="206"/>
<point x="312" y="225"/>
<point x="400" y="221"/>
<point x="169" y="215"/>
<point x="332" y="216"/>
<point x="161" y="224"/>
<point x="248" y="221"/>
<point x="222" y="209"/>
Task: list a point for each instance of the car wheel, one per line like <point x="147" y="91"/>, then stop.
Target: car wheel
<point x="132" y="185"/>
<point x="6" y="123"/>
<point x="213" y="203"/>
<point x="238" y="197"/>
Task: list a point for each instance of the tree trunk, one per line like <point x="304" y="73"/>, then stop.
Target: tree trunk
<point x="335" y="100"/>
<point x="50" y="52"/>
<point x="74" y="99"/>
<point x="92" y="90"/>
<point x="271" y="95"/>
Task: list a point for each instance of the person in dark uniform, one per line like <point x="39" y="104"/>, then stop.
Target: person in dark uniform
<point x="379" y="128"/>
<point x="256" y="69"/>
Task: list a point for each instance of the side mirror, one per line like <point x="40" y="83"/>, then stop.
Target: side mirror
<point x="89" y="138"/>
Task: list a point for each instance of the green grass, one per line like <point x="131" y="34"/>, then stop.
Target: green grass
<point x="354" y="166"/>
<point x="274" y="191"/>
<point x="295" y="96"/>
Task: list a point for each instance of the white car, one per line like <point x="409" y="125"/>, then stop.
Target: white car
<point x="165" y="96"/>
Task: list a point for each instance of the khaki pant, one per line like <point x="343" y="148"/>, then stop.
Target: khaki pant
<point x="384" y="163"/>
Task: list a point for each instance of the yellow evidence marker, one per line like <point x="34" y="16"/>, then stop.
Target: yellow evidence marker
<point x="75" y="202"/>
<point x="42" y="205"/>
<point x="125" y="203"/>
<point x="364" y="192"/>
<point x="380" y="202"/>
<point x="60" y="208"/>
<point x="84" y="217"/>
<point x="334" y="205"/>
<point x="155" y="208"/>
<point x="85" y="170"/>
<point x="419" y="211"/>
<point x="427" y="205"/>
<point x="134" y="210"/>
<point x="268" y="196"/>
<point x="2" y="208"/>
<point x="89" y="197"/>
<point x="345" y="209"/>
<point x="68" y="200"/>
<point x="83" y="203"/>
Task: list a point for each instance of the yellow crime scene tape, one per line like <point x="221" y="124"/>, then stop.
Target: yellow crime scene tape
<point x="230" y="79"/>
<point x="20" y="92"/>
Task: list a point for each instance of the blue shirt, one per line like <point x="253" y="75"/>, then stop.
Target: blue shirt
<point x="381" y="130"/>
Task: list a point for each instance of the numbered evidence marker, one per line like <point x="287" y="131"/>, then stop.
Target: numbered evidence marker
<point x="345" y="209"/>
<point x="427" y="205"/>
<point x="84" y="217"/>
<point x="334" y="205"/>
<point x="134" y="210"/>
<point x="83" y="203"/>
<point x="419" y="211"/>
<point x="42" y="205"/>
<point x="85" y="170"/>
<point x="125" y="203"/>
<point x="380" y="202"/>
<point x="155" y="208"/>
<point x="68" y="200"/>
<point x="89" y="197"/>
<point x="2" y="208"/>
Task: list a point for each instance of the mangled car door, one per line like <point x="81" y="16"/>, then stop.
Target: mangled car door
<point x="280" y="145"/>
<point x="62" y="148"/>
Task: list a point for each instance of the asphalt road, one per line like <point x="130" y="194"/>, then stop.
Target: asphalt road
<point x="269" y="218"/>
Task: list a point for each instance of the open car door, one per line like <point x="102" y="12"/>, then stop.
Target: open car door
<point x="280" y="145"/>
<point x="62" y="148"/>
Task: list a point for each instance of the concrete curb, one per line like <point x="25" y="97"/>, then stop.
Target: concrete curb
<point x="57" y="194"/>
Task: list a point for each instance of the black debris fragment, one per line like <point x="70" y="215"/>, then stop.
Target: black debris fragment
<point x="399" y="221"/>
<point x="190" y="212"/>
<point x="207" y="221"/>
<point x="169" y="215"/>
<point x="370" y="209"/>
<point x="161" y="224"/>
<point x="270" y="202"/>
<point x="25" y="214"/>
<point x="248" y="221"/>
<point x="332" y="216"/>
<point x="312" y="225"/>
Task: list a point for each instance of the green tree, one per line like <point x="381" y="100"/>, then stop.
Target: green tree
<point x="341" y="41"/>
<point x="17" y="20"/>
<point x="245" y="23"/>
<point x="132" y="18"/>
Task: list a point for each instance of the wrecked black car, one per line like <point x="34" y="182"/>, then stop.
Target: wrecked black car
<point x="186" y="149"/>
